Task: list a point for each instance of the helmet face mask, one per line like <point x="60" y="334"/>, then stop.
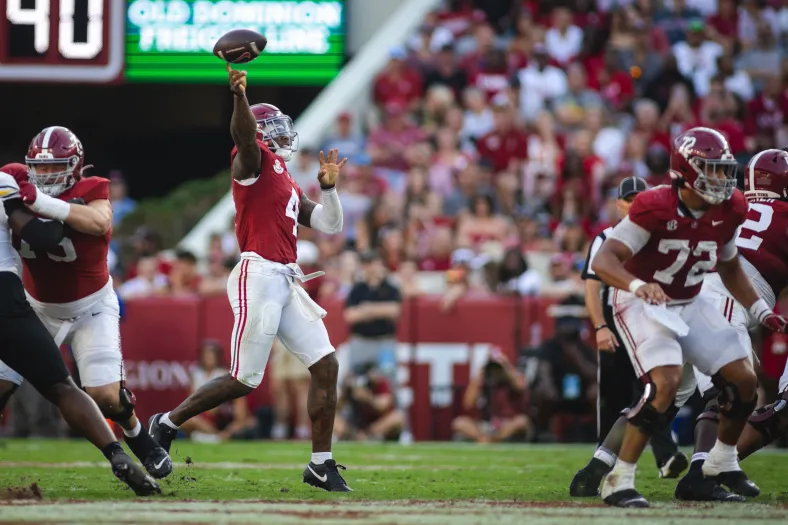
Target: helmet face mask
<point x="54" y="160"/>
<point x="716" y="180"/>
<point x="276" y="130"/>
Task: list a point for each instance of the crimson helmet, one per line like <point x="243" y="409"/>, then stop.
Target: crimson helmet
<point x="55" y="147"/>
<point x="766" y="175"/>
<point x="276" y="130"/>
<point x="702" y="158"/>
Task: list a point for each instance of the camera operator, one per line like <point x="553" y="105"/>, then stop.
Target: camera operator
<point x="494" y="403"/>
<point x="366" y="408"/>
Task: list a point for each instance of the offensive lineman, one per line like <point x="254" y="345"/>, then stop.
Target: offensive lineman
<point x="673" y="236"/>
<point x="263" y="289"/>
<point x="69" y="286"/>
<point x="29" y="349"/>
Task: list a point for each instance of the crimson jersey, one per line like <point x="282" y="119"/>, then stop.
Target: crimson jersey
<point x="763" y="241"/>
<point x="78" y="268"/>
<point x="681" y="249"/>
<point x="266" y="210"/>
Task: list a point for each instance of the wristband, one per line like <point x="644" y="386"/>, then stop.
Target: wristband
<point x="330" y="187"/>
<point x="599" y="327"/>
<point x="635" y="285"/>
<point x="50" y="207"/>
<point x="760" y="309"/>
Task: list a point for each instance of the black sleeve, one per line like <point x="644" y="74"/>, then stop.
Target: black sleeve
<point x="588" y="273"/>
<point x="354" y="297"/>
<point x="40" y="235"/>
<point x="395" y="295"/>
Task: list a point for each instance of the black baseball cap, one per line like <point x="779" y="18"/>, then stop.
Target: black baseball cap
<point x="631" y="186"/>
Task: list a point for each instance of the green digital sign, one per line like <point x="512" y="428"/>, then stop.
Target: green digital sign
<point x="172" y="40"/>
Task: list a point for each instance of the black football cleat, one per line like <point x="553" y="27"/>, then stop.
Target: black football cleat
<point x="627" y="499"/>
<point x="161" y="433"/>
<point x="158" y="463"/>
<point x="132" y="475"/>
<point x="326" y="476"/>
<point x="738" y="482"/>
<point x="586" y="483"/>
<point x="673" y="468"/>
<point x="697" y="487"/>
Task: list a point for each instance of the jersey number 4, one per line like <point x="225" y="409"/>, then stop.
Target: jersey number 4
<point x="761" y="225"/>
<point x="696" y="273"/>
<point x="69" y="252"/>
<point x="293" y="205"/>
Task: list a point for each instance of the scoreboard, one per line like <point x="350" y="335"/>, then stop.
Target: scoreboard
<point x="105" y="41"/>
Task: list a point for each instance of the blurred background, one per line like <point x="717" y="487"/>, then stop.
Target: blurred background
<point x="485" y="138"/>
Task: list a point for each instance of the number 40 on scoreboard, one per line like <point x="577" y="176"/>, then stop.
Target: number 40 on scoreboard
<point x="61" y="40"/>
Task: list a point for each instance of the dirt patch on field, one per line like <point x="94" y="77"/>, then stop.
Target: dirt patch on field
<point x="33" y="492"/>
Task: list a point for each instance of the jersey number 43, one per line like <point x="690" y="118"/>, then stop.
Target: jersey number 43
<point x="69" y="252"/>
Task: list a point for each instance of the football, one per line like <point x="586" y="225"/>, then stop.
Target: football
<point x="240" y="46"/>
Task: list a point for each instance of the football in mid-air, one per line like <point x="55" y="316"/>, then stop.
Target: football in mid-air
<point x="240" y="46"/>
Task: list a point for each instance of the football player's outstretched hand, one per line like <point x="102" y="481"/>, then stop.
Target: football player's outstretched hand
<point x="329" y="168"/>
<point x="652" y="293"/>
<point x="237" y="80"/>
<point x="28" y="192"/>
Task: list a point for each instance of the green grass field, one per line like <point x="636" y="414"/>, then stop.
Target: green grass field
<point x="260" y="482"/>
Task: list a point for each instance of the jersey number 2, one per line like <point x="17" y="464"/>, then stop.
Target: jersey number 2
<point x="69" y="252"/>
<point x="292" y="210"/>
<point x="698" y="269"/>
<point x="764" y="221"/>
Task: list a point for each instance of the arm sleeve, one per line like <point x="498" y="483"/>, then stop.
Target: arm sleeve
<point x="729" y="250"/>
<point x="353" y="298"/>
<point x="633" y="235"/>
<point x="327" y="216"/>
<point x="39" y="234"/>
<point x="588" y="273"/>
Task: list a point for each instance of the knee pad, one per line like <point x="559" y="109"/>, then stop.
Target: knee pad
<point x="771" y="420"/>
<point x="127" y="402"/>
<point x="711" y="411"/>
<point x="730" y="401"/>
<point x="647" y="418"/>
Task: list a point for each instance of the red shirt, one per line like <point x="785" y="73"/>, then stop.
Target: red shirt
<point x="501" y="148"/>
<point x="765" y="115"/>
<point x="78" y="268"/>
<point x="618" y="91"/>
<point x="675" y="236"/>
<point x="490" y="82"/>
<point x="725" y="27"/>
<point x="435" y="264"/>
<point x="396" y="142"/>
<point x="763" y="241"/>
<point x="407" y="87"/>
<point x="733" y="132"/>
<point x="266" y="218"/>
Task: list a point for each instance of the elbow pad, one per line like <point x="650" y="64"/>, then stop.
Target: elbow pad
<point x="41" y="235"/>
<point x="327" y="217"/>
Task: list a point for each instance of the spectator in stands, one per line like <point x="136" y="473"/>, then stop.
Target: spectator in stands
<point x="482" y="224"/>
<point x="184" y="278"/>
<point x="387" y="144"/>
<point x="564" y="39"/>
<point x="478" y="118"/>
<point x="290" y="390"/>
<point x="679" y="115"/>
<point x="366" y="409"/>
<point x="737" y="81"/>
<point x="476" y="48"/>
<point x="214" y="282"/>
<point x="231" y="420"/>
<point x="440" y="248"/>
<point x="514" y="276"/>
<point x="407" y="279"/>
<point x="493" y="75"/>
<point x="675" y="19"/>
<point x="647" y="124"/>
<point x="641" y="61"/>
<point x="398" y="81"/>
<point x="505" y="147"/>
<point x="571" y="106"/>
<point x="349" y="141"/>
<point x="539" y="84"/>
<point x="696" y="57"/>
<point x="607" y="141"/>
<point x="305" y="167"/>
<point x="723" y="25"/>
<point x="122" y="204"/>
<point x="755" y="17"/>
<point x="371" y="311"/>
<point x="567" y="368"/>
<point x="661" y="87"/>
<point x="763" y="58"/>
<point x="614" y="85"/>
<point x="494" y="403"/>
<point x="146" y="242"/>
<point x="446" y="71"/>
<point x="766" y="115"/>
<point x="564" y="280"/>
<point x="148" y="282"/>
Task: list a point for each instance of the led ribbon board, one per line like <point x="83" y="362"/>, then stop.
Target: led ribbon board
<point x="172" y="40"/>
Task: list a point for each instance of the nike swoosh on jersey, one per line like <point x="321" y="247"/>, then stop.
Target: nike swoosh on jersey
<point x="716" y="223"/>
<point x="322" y="478"/>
